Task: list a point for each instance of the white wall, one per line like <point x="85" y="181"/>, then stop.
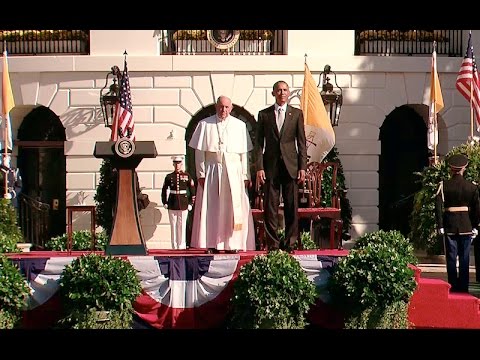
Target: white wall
<point x="168" y="90"/>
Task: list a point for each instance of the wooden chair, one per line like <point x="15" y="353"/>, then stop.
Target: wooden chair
<point x="321" y="205"/>
<point x="312" y="204"/>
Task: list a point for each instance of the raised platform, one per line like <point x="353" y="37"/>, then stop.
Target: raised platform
<point x="192" y="289"/>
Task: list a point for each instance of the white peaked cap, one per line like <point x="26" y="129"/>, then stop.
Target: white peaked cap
<point x="178" y="158"/>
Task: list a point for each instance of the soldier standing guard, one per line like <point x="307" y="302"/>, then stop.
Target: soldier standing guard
<point x="457" y="212"/>
<point x="180" y="201"/>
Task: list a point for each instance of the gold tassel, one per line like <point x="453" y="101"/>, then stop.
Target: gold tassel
<point x="237" y="227"/>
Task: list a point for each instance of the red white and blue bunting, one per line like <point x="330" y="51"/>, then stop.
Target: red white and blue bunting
<point x="178" y="291"/>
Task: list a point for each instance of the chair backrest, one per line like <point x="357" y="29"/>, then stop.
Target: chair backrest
<point x="310" y="194"/>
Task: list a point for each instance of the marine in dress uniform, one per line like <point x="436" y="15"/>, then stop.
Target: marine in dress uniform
<point x="181" y="196"/>
<point x="457" y="211"/>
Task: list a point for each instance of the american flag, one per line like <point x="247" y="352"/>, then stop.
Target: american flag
<point x="468" y="71"/>
<point x="123" y="125"/>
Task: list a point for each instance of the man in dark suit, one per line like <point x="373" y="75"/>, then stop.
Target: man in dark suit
<point x="457" y="211"/>
<point x="180" y="201"/>
<point x="281" y="151"/>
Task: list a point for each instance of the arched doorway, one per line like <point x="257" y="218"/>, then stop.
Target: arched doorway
<point x="403" y="137"/>
<point x="240" y="113"/>
<point x="42" y="165"/>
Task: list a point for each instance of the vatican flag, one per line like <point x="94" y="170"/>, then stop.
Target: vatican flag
<point x="318" y="129"/>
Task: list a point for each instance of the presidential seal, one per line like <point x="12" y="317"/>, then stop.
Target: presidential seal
<point x="223" y="39"/>
<point x="124" y="147"/>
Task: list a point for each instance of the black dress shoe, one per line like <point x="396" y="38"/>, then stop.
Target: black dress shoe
<point x="212" y="251"/>
<point x="231" y="251"/>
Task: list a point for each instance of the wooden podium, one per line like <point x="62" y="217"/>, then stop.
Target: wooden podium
<point x="127" y="236"/>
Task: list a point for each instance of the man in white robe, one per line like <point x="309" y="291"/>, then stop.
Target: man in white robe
<point x="222" y="219"/>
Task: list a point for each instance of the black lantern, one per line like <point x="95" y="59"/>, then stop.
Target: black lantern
<point x="108" y="100"/>
<point x="331" y="98"/>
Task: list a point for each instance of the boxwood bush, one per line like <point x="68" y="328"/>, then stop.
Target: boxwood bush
<point x="92" y="285"/>
<point x="374" y="281"/>
<point x="393" y="239"/>
<point x="13" y="293"/>
<point x="272" y="291"/>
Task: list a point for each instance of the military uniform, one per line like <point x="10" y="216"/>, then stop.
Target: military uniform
<point x="181" y="197"/>
<point x="457" y="212"/>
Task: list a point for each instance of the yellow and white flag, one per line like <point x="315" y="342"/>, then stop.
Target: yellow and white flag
<point x="318" y="129"/>
<point x="436" y="104"/>
<point x="7" y="105"/>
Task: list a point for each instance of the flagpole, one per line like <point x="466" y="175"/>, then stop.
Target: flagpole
<point x="471" y="107"/>
<point x="435" y="124"/>
<point x="5" y="134"/>
<point x="435" y="132"/>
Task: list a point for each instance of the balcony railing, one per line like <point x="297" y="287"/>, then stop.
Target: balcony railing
<point x="203" y="42"/>
<point x="45" y="42"/>
<point x="408" y="42"/>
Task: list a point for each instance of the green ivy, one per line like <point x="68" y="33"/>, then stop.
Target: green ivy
<point x="81" y="240"/>
<point x="272" y="291"/>
<point x="422" y="222"/>
<point x="99" y="283"/>
<point x="13" y="293"/>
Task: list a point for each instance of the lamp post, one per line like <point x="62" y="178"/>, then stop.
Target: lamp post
<point x="109" y="99"/>
<point x="332" y="98"/>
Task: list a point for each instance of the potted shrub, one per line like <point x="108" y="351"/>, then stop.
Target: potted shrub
<point x="81" y="240"/>
<point x="256" y="35"/>
<point x="44" y="41"/>
<point x="272" y="291"/>
<point x="13" y="294"/>
<point x="254" y="41"/>
<point x="97" y="292"/>
<point x="400" y="41"/>
<point x="190" y="35"/>
<point x="373" y="284"/>
<point x="19" y="35"/>
<point x="189" y="41"/>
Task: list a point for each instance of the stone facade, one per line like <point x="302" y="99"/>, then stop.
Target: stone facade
<point x="168" y="90"/>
